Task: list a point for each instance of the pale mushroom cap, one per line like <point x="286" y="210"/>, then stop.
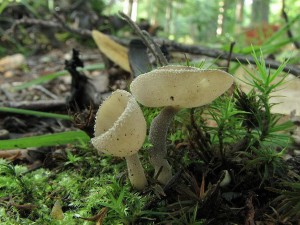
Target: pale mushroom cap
<point x="180" y="86"/>
<point x="120" y="127"/>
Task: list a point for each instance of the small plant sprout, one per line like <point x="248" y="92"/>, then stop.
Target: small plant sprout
<point x="175" y="87"/>
<point x="120" y="130"/>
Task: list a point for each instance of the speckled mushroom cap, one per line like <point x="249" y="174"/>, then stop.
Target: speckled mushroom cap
<point x="120" y="127"/>
<point x="180" y="86"/>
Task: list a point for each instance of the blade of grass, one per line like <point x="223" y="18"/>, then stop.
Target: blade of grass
<point x="62" y="138"/>
<point x="272" y="48"/>
<point x="3" y="5"/>
<point x="267" y="46"/>
<point x="35" y="113"/>
<point x="282" y="30"/>
<point x="30" y="8"/>
<point x="52" y="76"/>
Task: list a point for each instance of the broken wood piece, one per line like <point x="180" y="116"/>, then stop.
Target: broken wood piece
<point x="44" y="105"/>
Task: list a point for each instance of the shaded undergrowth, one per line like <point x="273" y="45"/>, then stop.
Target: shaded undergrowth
<point x="227" y="161"/>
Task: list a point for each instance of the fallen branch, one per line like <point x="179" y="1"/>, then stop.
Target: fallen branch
<point x="171" y="45"/>
<point x="215" y="53"/>
<point x="43" y="105"/>
<point x="53" y="24"/>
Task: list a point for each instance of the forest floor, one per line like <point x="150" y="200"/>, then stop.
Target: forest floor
<point x="71" y="184"/>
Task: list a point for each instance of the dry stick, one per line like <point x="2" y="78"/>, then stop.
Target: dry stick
<point x="44" y="105"/>
<point x="64" y="25"/>
<point x="160" y="55"/>
<point x="138" y="32"/>
<point x="29" y="21"/>
<point x="231" y="89"/>
<point x="172" y="46"/>
<point x="215" y="53"/>
<point x="229" y="56"/>
<point x="145" y="39"/>
<point x="289" y="32"/>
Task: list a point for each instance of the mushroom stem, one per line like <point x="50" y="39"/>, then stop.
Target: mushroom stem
<point x="136" y="172"/>
<point x="158" y="136"/>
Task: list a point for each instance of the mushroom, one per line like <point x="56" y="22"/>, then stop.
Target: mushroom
<point x="120" y="130"/>
<point x="175" y="87"/>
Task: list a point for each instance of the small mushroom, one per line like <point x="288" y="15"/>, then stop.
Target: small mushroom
<point x="175" y="87"/>
<point x="120" y="130"/>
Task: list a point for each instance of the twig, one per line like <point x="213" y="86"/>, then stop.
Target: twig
<point x="172" y="46"/>
<point x="63" y="24"/>
<point x="45" y="91"/>
<point x="145" y="39"/>
<point x="250" y="213"/>
<point x="30" y="21"/>
<point x="215" y="53"/>
<point x="159" y="53"/>
<point x="289" y="32"/>
<point x="229" y="56"/>
<point x="38" y="105"/>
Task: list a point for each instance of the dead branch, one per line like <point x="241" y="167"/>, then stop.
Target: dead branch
<point x="171" y="45"/>
<point x="44" y="105"/>
<point x="147" y="40"/>
<point x="215" y="53"/>
<point x="61" y="25"/>
<point x="229" y="56"/>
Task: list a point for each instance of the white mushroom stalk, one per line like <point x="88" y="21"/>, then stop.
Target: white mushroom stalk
<point x="120" y="130"/>
<point x="158" y="136"/>
<point x="175" y="87"/>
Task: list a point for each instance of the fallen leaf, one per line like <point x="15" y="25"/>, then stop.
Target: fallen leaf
<point x="56" y="212"/>
<point x="98" y="218"/>
<point x="11" y="62"/>
<point x="14" y="154"/>
<point x="202" y="188"/>
<point x="114" y="51"/>
<point x="138" y="57"/>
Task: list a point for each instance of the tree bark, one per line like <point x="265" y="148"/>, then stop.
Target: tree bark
<point x="169" y="9"/>
<point x="239" y="12"/>
<point x="260" y="11"/>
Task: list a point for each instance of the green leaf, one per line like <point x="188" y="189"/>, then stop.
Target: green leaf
<point x="3" y="5"/>
<point x="35" y="113"/>
<point x="282" y="127"/>
<point x="62" y="138"/>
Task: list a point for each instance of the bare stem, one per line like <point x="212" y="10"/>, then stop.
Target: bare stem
<point x="136" y="172"/>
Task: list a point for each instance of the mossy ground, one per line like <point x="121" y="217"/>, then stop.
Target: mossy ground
<point x="84" y="185"/>
<point x="236" y="135"/>
<point x="87" y="184"/>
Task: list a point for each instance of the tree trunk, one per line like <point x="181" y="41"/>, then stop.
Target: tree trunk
<point x="169" y="9"/>
<point x="239" y="12"/>
<point x="260" y="11"/>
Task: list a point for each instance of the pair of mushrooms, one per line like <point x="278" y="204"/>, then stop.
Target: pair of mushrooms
<point x="120" y="127"/>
